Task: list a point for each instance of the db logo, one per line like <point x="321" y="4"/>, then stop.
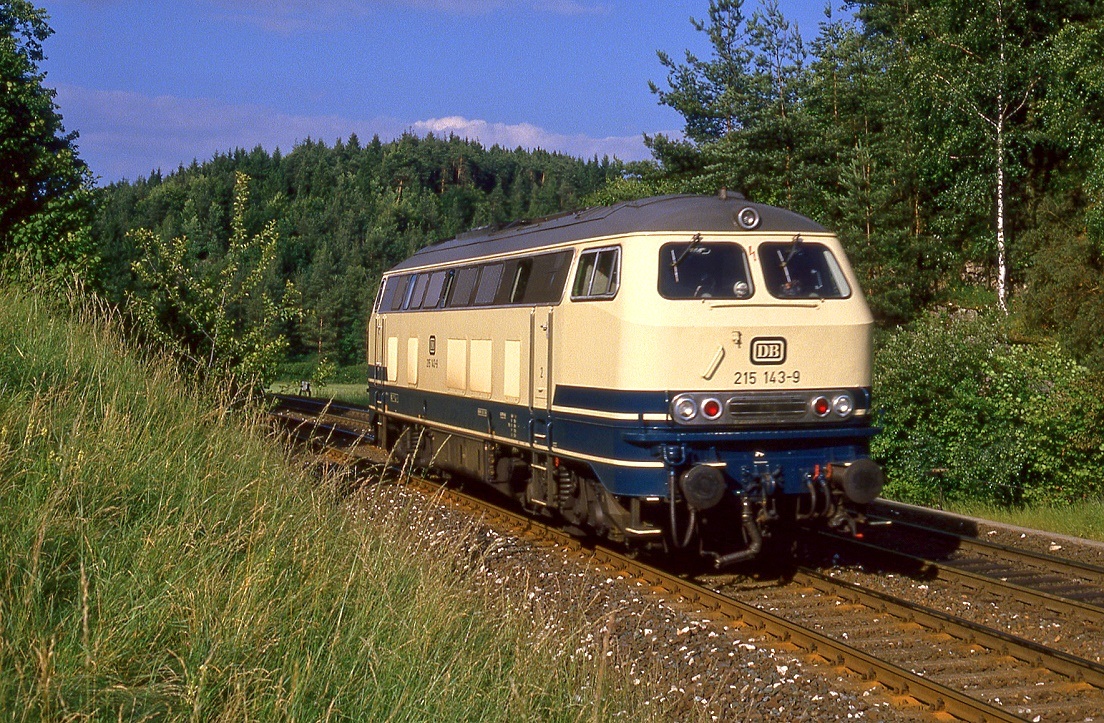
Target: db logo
<point x="768" y="350"/>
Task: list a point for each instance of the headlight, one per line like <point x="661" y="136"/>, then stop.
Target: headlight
<point x="685" y="408"/>
<point x="844" y="405"/>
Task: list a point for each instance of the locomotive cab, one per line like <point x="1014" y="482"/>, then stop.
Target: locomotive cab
<point x="748" y="358"/>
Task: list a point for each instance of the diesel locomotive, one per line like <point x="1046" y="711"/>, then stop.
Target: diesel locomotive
<point x="679" y="373"/>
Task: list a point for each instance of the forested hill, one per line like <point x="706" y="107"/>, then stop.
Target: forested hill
<point x="956" y="147"/>
<point x="343" y="214"/>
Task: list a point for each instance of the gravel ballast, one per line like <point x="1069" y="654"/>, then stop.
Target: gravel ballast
<point x="689" y="667"/>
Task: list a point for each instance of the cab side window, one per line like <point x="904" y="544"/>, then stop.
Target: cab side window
<point x="598" y="275"/>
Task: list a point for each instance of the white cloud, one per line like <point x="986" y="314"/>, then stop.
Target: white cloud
<point x="127" y="135"/>
<point x="530" y="136"/>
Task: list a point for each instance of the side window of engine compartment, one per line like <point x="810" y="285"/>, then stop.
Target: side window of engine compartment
<point x="463" y="287"/>
<point x="547" y="278"/>
<point x="435" y="289"/>
<point x="598" y="275"/>
<point x="527" y="280"/>
<point x="386" y="293"/>
<point x="416" y="292"/>
<point x="514" y="277"/>
<point x="801" y="270"/>
<point x="697" y="270"/>
<point x="488" y="284"/>
<point x="399" y="295"/>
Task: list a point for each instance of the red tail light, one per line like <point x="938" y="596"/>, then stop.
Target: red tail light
<point x="711" y="408"/>
<point x="821" y="406"/>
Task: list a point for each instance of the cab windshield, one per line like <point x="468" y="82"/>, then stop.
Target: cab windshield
<point x="799" y="270"/>
<point x="698" y="270"/>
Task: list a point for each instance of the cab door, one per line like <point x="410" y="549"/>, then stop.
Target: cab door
<point x="540" y="376"/>
<point x="376" y="343"/>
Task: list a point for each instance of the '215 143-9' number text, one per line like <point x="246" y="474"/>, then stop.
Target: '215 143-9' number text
<point x="774" y="376"/>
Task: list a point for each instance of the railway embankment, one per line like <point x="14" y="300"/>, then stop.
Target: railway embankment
<point x="161" y="558"/>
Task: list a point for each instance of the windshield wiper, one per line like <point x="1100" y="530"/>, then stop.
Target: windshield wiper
<point x="694" y="242"/>
<point x="795" y="246"/>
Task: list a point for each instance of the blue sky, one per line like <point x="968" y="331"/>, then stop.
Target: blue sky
<point x="152" y="84"/>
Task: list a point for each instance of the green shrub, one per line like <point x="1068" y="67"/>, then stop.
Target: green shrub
<point x="968" y="414"/>
<point x="293" y="371"/>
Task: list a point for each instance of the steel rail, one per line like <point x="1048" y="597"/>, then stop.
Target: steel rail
<point x="896" y="514"/>
<point x="1075" y="668"/>
<point x="931" y="569"/>
<point x="319" y="409"/>
<point x="1051" y="562"/>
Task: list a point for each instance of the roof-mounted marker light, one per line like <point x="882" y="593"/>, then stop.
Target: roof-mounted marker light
<point x="747" y="218"/>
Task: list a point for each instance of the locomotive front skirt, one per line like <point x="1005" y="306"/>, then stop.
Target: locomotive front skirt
<point x="677" y="372"/>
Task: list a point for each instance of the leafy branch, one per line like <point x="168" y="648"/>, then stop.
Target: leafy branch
<point x="221" y="316"/>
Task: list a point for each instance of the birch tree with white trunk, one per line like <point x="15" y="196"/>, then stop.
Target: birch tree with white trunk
<point x="976" y="59"/>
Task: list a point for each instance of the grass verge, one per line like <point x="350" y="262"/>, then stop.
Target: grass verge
<point x="161" y="559"/>
<point x="1076" y="519"/>
<point x="347" y="393"/>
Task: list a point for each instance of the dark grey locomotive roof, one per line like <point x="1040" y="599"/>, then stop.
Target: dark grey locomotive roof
<point x="661" y="213"/>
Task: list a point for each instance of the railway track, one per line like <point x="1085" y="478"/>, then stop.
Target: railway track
<point x="1078" y="582"/>
<point x="953" y="667"/>
<point x="1054" y="601"/>
<point x="1021" y="679"/>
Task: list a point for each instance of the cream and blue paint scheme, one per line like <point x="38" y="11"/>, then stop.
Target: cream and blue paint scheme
<point x="679" y="371"/>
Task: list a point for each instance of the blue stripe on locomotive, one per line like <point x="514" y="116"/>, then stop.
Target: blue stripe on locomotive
<point x="582" y="437"/>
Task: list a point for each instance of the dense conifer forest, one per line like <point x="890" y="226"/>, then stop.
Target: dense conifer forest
<point x="343" y="213"/>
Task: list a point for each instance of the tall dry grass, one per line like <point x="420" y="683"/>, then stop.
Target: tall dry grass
<point x="160" y="558"/>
